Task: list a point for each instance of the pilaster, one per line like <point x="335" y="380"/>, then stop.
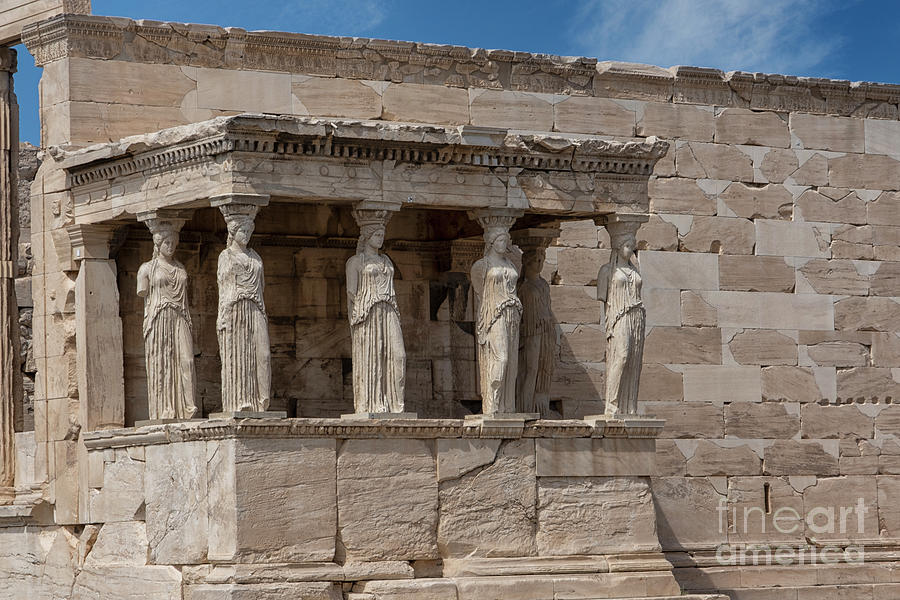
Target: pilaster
<point x="10" y="376"/>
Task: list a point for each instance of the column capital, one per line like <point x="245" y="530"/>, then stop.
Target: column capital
<point x="90" y="241"/>
<point x="8" y="60"/>
<point x="374" y="212"/>
<point x="621" y="218"/>
<point x="535" y="237"/>
<point x="228" y="199"/>
<point x="498" y="217"/>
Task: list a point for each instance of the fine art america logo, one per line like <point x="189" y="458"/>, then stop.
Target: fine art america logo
<point x="820" y="520"/>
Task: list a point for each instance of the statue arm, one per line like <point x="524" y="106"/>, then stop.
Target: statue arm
<point x="143" y="280"/>
<point x="352" y="269"/>
<point x="477" y="276"/>
<point x="603" y="282"/>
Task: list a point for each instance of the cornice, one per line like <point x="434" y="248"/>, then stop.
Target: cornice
<point x="367" y="141"/>
<point x="455" y="66"/>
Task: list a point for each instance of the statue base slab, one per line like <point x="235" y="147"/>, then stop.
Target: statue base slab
<point x="246" y="414"/>
<point x="163" y="421"/>
<point x="504" y="417"/>
<point x="380" y="416"/>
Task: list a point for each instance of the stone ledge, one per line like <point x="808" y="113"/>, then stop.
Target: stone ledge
<point x="216" y="429"/>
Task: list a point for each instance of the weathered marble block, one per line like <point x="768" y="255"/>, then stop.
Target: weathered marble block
<point x="589" y="457"/>
<point x="387" y="499"/>
<point x="272" y="500"/>
<point x="490" y="511"/>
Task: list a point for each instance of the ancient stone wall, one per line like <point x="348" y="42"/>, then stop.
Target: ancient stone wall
<point x="771" y="261"/>
<point x="28" y="165"/>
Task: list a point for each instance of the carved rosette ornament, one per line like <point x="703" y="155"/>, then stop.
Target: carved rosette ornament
<point x="538" y="336"/>
<point x="378" y="352"/>
<point x="619" y="288"/>
<point x="168" y="341"/>
<point x="498" y="312"/>
<point x="242" y="324"/>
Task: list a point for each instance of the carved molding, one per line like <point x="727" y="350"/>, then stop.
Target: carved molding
<point x="455" y="66"/>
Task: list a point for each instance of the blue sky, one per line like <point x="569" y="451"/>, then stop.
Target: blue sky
<point x="857" y="40"/>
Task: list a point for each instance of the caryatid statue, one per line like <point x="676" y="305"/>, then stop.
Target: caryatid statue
<point x="498" y="314"/>
<point x="378" y="352"/>
<point x="619" y="287"/>
<point x="168" y="342"/>
<point x="242" y="324"/>
<point x="538" y="338"/>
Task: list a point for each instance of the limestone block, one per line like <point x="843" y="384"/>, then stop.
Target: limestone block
<point x="882" y="137"/>
<point x="456" y="457"/>
<point x="575" y="304"/>
<point x="126" y="82"/>
<point x="833" y="498"/>
<point x="749" y="520"/>
<point x="778" y="164"/>
<point x="866" y="171"/>
<point x="886" y="280"/>
<point x="657" y="234"/>
<point x="838" y="353"/>
<point x="714" y="383"/>
<point x="245" y="91"/>
<point x="888" y="505"/>
<point x="96" y="122"/>
<point x="722" y="235"/>
<point x="711" y="458"/>
<point x="753" y="310"/>
<point x="514" y="110"/>
<point x="755" y="274"/>
<point x="688" y="419"/>
<point x="659" y="383"/>
<point x="763" y="347"/>
<point x="662" y="306"/>
<point x="867" y="383"/>
<point x="832" y="205"/>
<point x="820" y="132"/>
<point x="595" y="515"/>
<point x="834" y="421"/>
<point x="883" y="211"/>
<point x="335" y="97"/>
<point x="765" y="420"/>
<point x="122" y="496"/>
<point x="579" y="266"/>
<point x="697" y="160"/>
<point x="272" y="500"/>
<point x="679" y="196"/>
<point x="426" y="104"/>
<point x="307" y="590"/>
<point x="491" y="511"/>
<point x="684" y="345"/>
<point x="581" y="383"/>
<point x="589" y="457"/>
<point x="177" y="520"/>
<point x="768" y="202"/>
<point x="835" y="277"/>
<point x="120" y="543"/>
<point x="841" y="249"/>
<point x="886" y="350"/>
<point x="697" y="312"/>
<point x="679" y="270"/>
<point x="812" y="171"/>
<point x="670" y="462"/>
<point x="687" y="512"/>
<point x="792" y="384"/>
<point x="127" y="583"/>
<point x="872" y="313"/>
<point x="743" y="126"/>
<point x="586" y="343"/>
<point x="603" y="116"/>
<point x="788" y="238"/>
<point x="578" y="234"/>
<point x="684" y="121"/>
<point x="425" y="589"/>
<point x="794" y="457"/>
<point x="387" y="494"/>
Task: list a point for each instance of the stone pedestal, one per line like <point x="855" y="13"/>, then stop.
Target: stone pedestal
<point x="397" y="508"/>
<point x="10" y="375"/>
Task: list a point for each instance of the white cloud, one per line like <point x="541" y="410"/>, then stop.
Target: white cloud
<point x="334" y="17"/>
<point x="773" y="36"/>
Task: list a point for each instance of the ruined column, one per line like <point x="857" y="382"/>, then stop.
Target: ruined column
<point x="98" y="329"/>
<point x="10" y="384"/>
